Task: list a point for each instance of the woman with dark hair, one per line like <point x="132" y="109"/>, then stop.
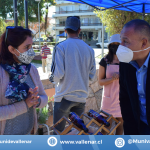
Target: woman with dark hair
<point x="109" y="78"/>
<point x="21" y="90"/>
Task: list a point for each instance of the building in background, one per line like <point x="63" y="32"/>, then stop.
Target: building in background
<point x="91" y="26"/>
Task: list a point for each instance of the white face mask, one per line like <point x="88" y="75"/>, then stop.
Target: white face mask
<point x="125" y="54"/>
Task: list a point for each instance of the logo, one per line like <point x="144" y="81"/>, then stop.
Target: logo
<point x="119" y="142"/>
<point x="130" y="141"/>
<point x="52" y="141"/>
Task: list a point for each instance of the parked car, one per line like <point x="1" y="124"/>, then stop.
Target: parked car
<point x="99" y="45"/>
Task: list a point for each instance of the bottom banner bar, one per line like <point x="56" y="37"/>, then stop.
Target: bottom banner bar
<point x="75" y="142"/>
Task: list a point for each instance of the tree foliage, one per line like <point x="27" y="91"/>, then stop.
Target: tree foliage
<point x="35" y="27"/>
<point x="4" y="24"/>
<point x="6" y="8"/>
<point x="114" y="20"/>
<point x="46" y="12"/>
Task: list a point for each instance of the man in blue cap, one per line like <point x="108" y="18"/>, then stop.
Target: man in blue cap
<point x="73" y="66"/>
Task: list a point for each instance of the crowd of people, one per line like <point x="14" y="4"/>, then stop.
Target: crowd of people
<point x="124" y="74"/>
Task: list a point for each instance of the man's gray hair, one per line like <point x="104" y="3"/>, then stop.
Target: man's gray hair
<point x="140" y="26"/>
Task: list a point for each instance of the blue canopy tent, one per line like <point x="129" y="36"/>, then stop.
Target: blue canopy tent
<point x="63" y="34"/>
<point x="139" y="6"/>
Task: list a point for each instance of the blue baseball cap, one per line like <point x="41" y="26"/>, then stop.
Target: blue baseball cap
<point x="73" y="22"/>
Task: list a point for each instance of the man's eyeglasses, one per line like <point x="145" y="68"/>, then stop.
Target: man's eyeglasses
<point x="8" y="27"/>
<point x="74" y="16"/>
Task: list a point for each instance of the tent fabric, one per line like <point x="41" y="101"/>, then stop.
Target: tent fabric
<point x="63" y="34"/>
<point x="125" y="5"/>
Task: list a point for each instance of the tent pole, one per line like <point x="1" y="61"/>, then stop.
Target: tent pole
<point x="118" y="5"/>
<point x="26" y="13"/>
<point x="143" y="15"/>
<point x="143" y="12"/>
<point x="102" y="40"/>
<point x="109" y="36"/>
<point x="15" y="13"/>
<point x="89" y="4"/>
<point x="122" y="5"/>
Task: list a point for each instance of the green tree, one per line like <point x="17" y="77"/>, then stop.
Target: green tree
<point x="2" y="26"/>
<point x="48" y="3"/>
<point x="6" y="8"/>
<point x="10" y="23"/>
<point x="114" y="20"/>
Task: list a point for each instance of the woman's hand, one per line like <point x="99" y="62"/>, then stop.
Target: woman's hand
<point x="115" y="76"/>
<point x="32" y="99"/>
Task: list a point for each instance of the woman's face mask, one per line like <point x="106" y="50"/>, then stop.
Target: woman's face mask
<point x="125" y="54"/>
<point x="27" y="56"/>
<point x="113" y="48"/>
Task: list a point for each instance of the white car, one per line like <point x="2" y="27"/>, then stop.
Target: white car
<point x="99" y="45"/>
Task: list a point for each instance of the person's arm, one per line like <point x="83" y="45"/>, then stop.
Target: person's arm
<point x="101" y="77"/>
<point x="130" y="126"/>
<point x="13" y="110"/>
<point x="102" y="74"/>
<point x="43" y="99"/>
<point x="58" y="66"/>
<point x="92" y="70"/>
